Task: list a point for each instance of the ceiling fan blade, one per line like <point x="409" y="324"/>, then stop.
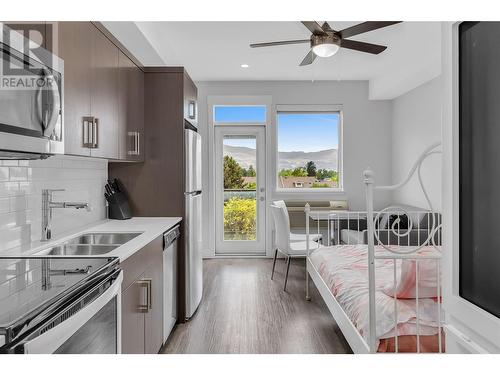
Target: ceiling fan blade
<point x="365" y="27"/>
<point x="281" y="43"/>
<point x="314" y="27"/>
<point x="326" y="27"/>
<point x="308" y="60"/>
<point x="362" y="46"/>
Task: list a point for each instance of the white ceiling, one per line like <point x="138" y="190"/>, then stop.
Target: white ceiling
<point x="214" y="51"/>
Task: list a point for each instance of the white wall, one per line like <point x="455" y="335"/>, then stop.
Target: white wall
<point x="416" y="124"/>
<point x="21" y="184"/>
<point x="367" y="136"/>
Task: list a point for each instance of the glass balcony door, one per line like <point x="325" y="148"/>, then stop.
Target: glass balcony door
<point x="240" y="190"/>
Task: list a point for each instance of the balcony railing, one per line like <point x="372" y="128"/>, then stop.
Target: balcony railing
<point x="239" y="193"/>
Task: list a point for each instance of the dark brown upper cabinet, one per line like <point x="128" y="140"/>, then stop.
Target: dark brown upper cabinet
<point x="103" y="95"/>
<point x="130" y="110"/>
<point x="75" y="48"/>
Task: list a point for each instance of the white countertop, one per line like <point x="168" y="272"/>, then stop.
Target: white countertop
<point x="152" y="227"/>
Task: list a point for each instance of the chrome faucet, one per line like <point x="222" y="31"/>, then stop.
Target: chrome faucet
<point x="48" y="205"/>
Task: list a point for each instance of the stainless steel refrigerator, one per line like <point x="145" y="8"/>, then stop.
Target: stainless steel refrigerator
<point x="193" y="224"/>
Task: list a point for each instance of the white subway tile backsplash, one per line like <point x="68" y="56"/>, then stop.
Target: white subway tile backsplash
<point x="18" y="203"/>
<point x="18" y="173"/>
<point x="9" y="189"/>
<point x="10" y="163"/>
<point x="4" y="173"/>
<point x="4" y="205"/>
<point x="21" y="184"/>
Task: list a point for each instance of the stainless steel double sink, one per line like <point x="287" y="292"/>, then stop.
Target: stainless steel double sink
<point x="91" y="244"/>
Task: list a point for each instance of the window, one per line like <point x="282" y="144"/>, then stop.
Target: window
<point x="309" y="149"/>
<point x="234" y="114"/>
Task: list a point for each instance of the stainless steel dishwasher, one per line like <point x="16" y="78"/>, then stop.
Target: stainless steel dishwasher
<point x="170" y="280"/>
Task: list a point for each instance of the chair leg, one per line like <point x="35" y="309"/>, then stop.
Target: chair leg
<point x="287" y="269"/>
<point x="274" y="262"/>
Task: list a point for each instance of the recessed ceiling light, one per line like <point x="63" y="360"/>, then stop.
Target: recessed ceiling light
<point x="245" y="66"/>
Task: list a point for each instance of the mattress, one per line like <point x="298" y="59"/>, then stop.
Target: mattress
<point x="344" y="269"/>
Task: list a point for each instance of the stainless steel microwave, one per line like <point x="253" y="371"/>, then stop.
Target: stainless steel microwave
<point x="31" y="99"/>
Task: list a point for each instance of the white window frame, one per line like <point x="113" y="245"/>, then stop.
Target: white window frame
<point x="239" y="101"/>
<point x="311" y="108"/>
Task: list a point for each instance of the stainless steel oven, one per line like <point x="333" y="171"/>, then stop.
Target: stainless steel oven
<point x="75" y="308"/>
<point x="31" y="99"/>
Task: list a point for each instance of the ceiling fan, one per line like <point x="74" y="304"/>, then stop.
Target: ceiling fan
<point x="326" y="42"/>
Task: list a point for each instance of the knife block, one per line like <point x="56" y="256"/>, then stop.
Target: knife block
<point x="119" y="209"/>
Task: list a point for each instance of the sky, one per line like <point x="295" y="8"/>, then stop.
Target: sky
<point x="306" y="132"/>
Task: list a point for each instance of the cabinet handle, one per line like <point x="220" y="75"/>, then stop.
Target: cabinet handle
<point x="192" y="110"/>
<point x="136" y="140"/>
<point x="146" y="283"/>
<point x="87" y="131"/>
<point x="95" y="132"/>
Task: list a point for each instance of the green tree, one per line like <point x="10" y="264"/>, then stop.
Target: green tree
<point x="299" y="172"/>
<point x="296" y="172"/>
<point x="311" y="169"/>
<point x="240" y="219"/>
<point x="285" y="172"/>
<point x="251" y="171"/>
<point x="326" y="174"/>
<point x="319" y="185"/>
<point x="233" y="174"/>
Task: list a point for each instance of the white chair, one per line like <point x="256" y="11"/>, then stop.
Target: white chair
<point x="297" y="237"/>
<point x="283" y="243"/>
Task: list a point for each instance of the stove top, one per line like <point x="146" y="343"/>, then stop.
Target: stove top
<point x="28" y="285"/>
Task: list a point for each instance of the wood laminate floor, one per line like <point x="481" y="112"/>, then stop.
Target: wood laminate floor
<point x="243" y="311"/>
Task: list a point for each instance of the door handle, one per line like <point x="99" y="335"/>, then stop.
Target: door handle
<point x="148" y="305"/>
<point x="262" y="199"/>
<point x="55" y="99"/>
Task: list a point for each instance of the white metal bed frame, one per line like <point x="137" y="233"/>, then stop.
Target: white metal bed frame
<point x="400" y="251"/>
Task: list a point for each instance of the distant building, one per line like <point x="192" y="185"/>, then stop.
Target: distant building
<point x="290" y="182"/>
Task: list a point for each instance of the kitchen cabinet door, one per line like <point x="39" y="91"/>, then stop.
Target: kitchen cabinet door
<point x="75" y="46"/>
<point x="104" y="95"/>
<point x="154" y="317"/>
<point x="133" y="319"/>
<point x="130" y="110"/>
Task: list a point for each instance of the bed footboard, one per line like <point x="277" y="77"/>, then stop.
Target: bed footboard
<point x="412" y="246"/>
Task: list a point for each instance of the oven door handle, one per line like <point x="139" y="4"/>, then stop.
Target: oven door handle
<point x="52" y="339"/>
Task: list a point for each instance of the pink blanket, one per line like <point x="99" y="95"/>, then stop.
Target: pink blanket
<point x="344" y="269"/>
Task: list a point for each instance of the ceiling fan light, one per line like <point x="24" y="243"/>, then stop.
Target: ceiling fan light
<point x="325" y="49"/>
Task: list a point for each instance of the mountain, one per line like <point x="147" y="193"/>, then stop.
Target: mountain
<point x="324" y="159"/>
